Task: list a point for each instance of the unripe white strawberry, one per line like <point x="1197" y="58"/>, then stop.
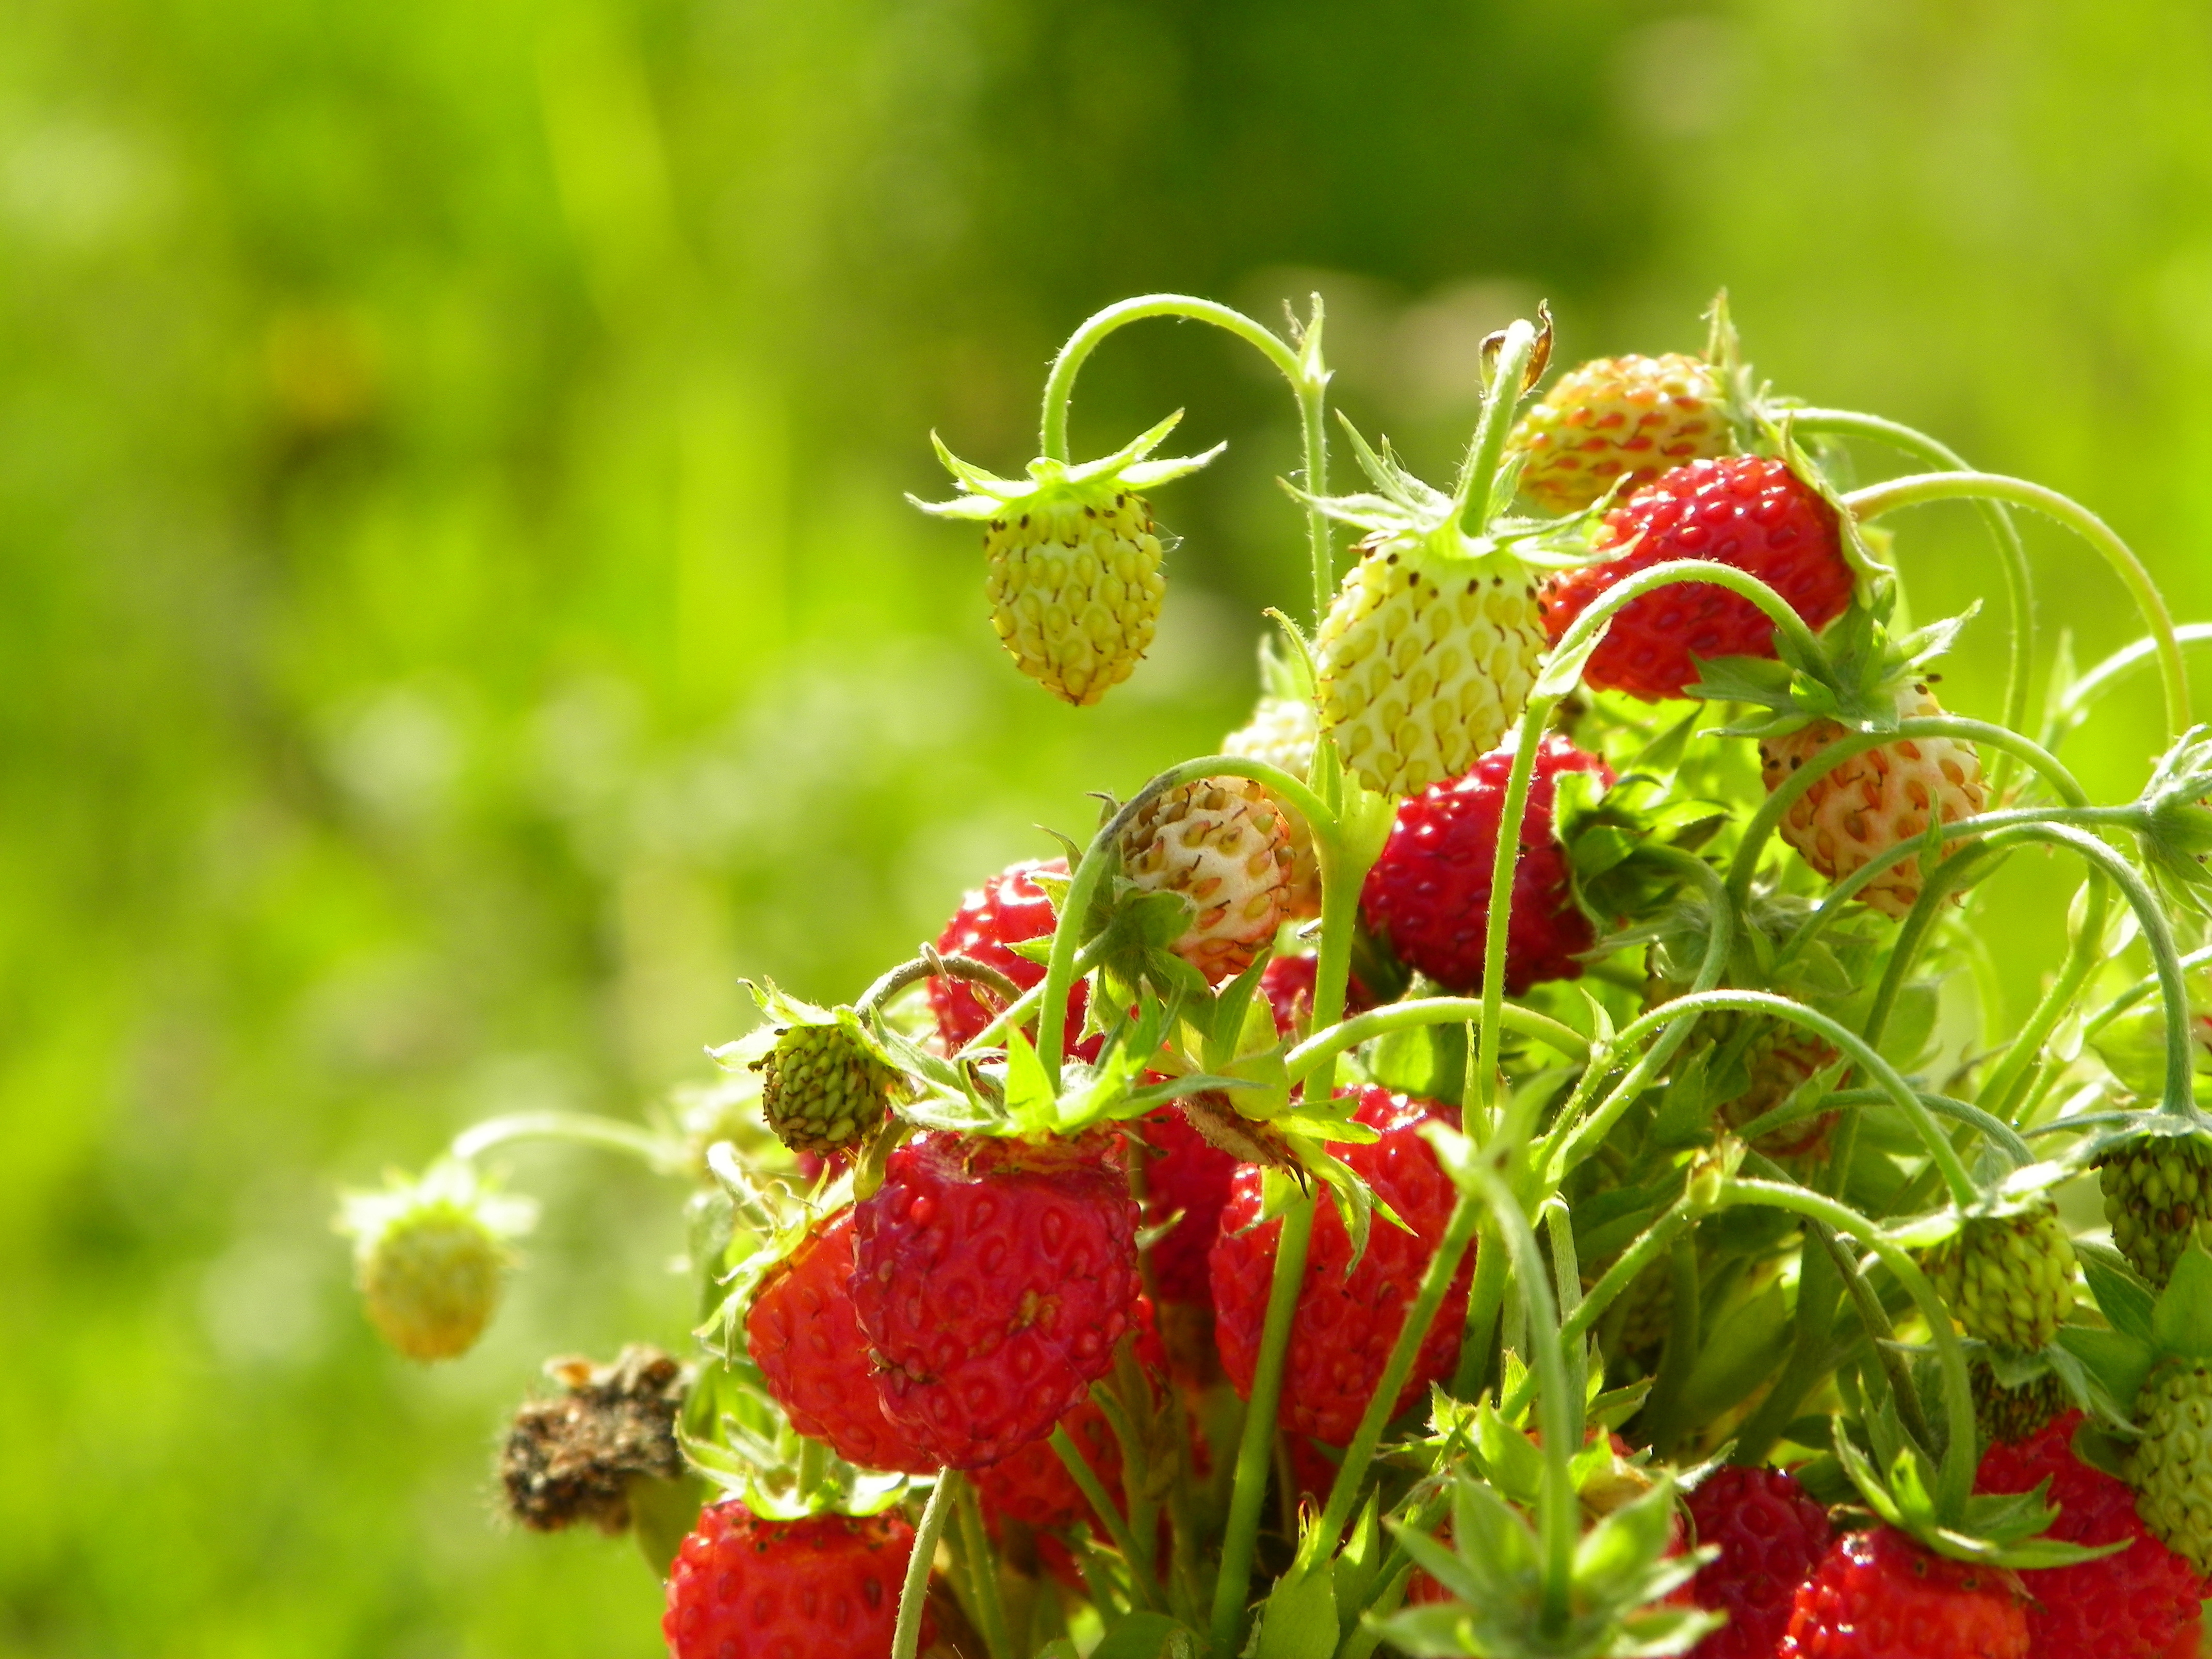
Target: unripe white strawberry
<point x="1074" y="562"/>
<point x="1426" y="656"/>
<point x="430" y="1258"/>
<point x="1282" y="732"/>
<point x="1876" y="800"/>
<point x="1223" y="844"/>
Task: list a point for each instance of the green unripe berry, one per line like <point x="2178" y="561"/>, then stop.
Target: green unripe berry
<point x="2170" y="1466"/>
<point x="430" y="1257"/>
<point x="2155" y="1199"/>
<point x="2009" y="1279"/>
<point x="822" y="1090"/>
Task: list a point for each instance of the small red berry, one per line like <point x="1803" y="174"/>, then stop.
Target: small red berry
<point x="1879" y="1596"/>
<point x="1346" y="1322"/>
<point x="1772" y="1534"/>
<point x="2135" y="1604"/>
<point x="1185" y="1175"/>
<point x="993" y="1279"/>
<point x="1429" y="894"/>
<point x="1287" y="982"/>
<point x="824" y="1588"/>
<point x="1745" y="511"/>
<point x="804" y="1332"/>
<point x="1007" y="910"/>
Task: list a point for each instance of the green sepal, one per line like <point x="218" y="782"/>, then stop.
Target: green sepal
<point x="2176" y="834"/>
<point x="986" y="496"/>
<point x="2181" y="1319"/>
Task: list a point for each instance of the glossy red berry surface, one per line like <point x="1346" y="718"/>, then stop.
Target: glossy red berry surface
<point x="1341" y="1333"/>
<point x="1879" y="1596"/>
<point x="1745" y="511"/>
<point x="1429" y="894"/>
<point x="824" y="1588"/>
<point x="1770" y="1536"/>
<point x="2137" y="1604"/>
<point x="1185" y="1175"/>
<point x="993" y="1279"/>
<point x="1287" y="982"/>
<point x="804" y="1332"/>
<point x="1007" y="910"/>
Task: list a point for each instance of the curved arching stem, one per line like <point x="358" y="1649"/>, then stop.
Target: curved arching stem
<point x="1876" y="500"/>
<point x="1993" y="1128"/>
<point x="1428" y="1011"/>
<point x="1302" y="369"/>
<point x="611" y="1135"/>
<point x="2072" y="706"/>
<point x="2012" y="553"/>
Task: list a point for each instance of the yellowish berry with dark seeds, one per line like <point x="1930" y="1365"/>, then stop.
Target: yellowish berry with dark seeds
<point x="1631" y="417"/>
<point x="822" y="1090"/>
<point x="1223" y="844"/>
<point x="2158" y="1197"/>
<point x="1425" y="659"/>
<point x="2171" y="1466"/>
<point x="1075" y="586"/>
<point x="2008" y="1279"/>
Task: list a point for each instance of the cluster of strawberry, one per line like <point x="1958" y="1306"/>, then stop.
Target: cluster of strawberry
<point x="1441" y="1078"/>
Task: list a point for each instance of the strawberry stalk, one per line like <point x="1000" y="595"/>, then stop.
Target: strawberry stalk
<point x="1302" y="368"/>
<point x="1868" y="504"/>
<point x="2012" y="552"/>
<point x="982" y="1570"/>
<point x="913" y="1594"/>
<point x="657" y="1153"/>
<point x="2072" y="707"/>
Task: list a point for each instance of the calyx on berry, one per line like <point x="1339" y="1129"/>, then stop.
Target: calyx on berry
<point x="430" y="1256"/>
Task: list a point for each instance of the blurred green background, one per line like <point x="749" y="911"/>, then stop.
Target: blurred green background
<point x="458" y="612"/>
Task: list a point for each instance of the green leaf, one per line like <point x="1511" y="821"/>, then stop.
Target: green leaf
<point x="2114" y="1359"/>
<point x="1146" y="1636"/>
<point x="2121" y="1297"/>
<point x="2181" y="1321"/>
<point x="1298" y="1620"/>
<point x="1029" y="1103"/>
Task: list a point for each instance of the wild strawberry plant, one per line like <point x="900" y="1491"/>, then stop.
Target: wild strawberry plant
<point x="1516" y="1154"/>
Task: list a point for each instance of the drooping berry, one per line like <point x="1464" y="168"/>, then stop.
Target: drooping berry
<point x="1225" y="845"/>
<point x="2171" y="1466"/>
<point x="1429" y="894"/>
<point x="1770" y="1534"/>
<point x="1879" y="1596"/>
<point x="2158" y="1197"/>
<point x="1744" y="511"/>
<point x="824" y="1588"/>
<point x="2135" y="1604"/>
<point x="2007" y="1280"/>
<point x="1007" y="910"/>
<point x="992" y="1279"/>
<point x="804" y="1332"/>
<point x="1632" y="417"/>
<point x="430" y="1257"/>
<point x="1346" y="1321"/>
<point x="1878" y="799"/>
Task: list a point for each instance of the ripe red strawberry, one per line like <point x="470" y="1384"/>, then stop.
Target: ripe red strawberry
<point x="1744" y="511"/>
<point x="1879" y="1596"/>
<point x="1772" y="1534"/>
<point x="824" y="1588"/>
<point x="1287" y="982"/>
<point x="1341" y="1333"/>
<point x="1033" y="1486"/>
<point x="993" y="1279"/>
<point x="1429" y="893"/>
<point x="2136" y="1604"/>
<point x="1007" y="910"/>
<point x="804" y="1332"/>
<point x="1187" y="1173"/>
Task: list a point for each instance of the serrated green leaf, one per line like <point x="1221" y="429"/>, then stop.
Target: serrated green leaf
<point x="2121" y="1298"/>
<point x="1298" y="1619"/>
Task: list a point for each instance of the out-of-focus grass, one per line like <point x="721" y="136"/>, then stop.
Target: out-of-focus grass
<point x="457" y="612"/>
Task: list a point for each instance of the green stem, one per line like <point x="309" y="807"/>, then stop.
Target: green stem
<point x="1558" y="1406"/>
<point x="657" y="1153"/>
<point x="1871" y="503"/>
<point x="2012" y="552"/>
<point x="1993" y="1127"/>
<point x="932" y="964"/>
<point x="913" y="1593"/>
<point x="2085" y="955"/>
<point x="1381" y="1403"/>
<point x="1678" y="1357"/>
<point x="1303" y="369"/>
<point x="1956" y="1475"/>
<point x="982" y="1570"/>
<point x="1818" y="1290"/>
<point x="1101" y="1505"/>
<point x="1428" y="1011"/>
<point x="1947" y="877"/>
<point x="1485" y="1299"/>
<point x="1500" y="397"/>
<point x="1239" y="1537"/>
<point x="2072" y="706"/>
